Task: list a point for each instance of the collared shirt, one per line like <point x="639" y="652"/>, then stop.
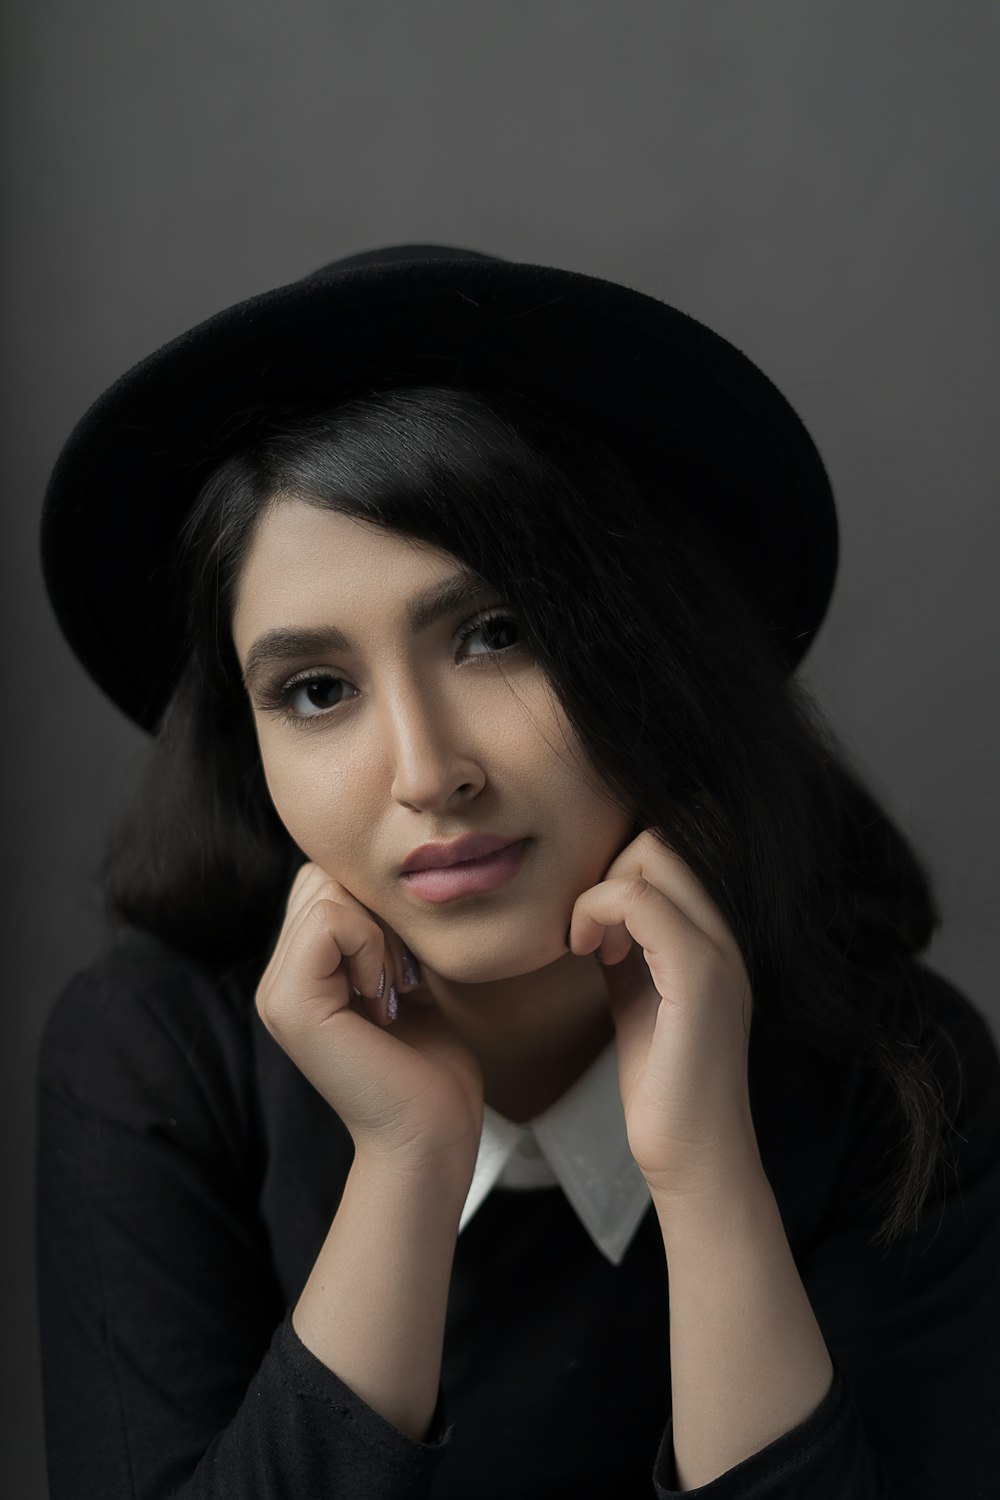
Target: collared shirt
<point x="579" y="1143"/>
<point x="188" y="1174"/>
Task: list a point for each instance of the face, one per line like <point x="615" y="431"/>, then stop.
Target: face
<point x="408" y="733"/>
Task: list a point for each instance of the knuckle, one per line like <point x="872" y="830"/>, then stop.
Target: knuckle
<point x="333" y="895"/>
<point x="323" y="911"/>
<point x="301" y="878"/>
<point x="324" y="921"/>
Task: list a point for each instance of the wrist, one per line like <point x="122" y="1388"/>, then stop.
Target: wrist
<point x="447" y="1178"/>
<point x="715" y="1203"/>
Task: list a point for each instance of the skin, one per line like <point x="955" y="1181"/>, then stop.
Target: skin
<point x="432" y="743"/>
<point x="424" y="738"/>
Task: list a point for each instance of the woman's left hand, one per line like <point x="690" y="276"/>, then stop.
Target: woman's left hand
<point x="682" y="1008"/>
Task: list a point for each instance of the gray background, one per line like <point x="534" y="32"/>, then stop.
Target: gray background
<point x="815" y="181"/>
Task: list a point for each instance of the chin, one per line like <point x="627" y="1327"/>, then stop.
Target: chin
<point x="485" y="964"/>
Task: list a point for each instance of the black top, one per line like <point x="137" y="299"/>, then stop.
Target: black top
<point x="187" y="1177"/>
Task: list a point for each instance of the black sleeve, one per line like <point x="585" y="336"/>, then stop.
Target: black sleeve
<point x="170" y="1366"/>
<point x="913" y="1330"/>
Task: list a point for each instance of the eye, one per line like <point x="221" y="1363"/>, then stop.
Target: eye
<point x="317" y="692"/>
<point x="494" y="625"/>
<point x="316" y="688"/>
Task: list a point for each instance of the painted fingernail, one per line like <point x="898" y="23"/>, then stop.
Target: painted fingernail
<point x="411" y="968"/>
<point x="392" y="1004"/>
<point x="381" y="984"/>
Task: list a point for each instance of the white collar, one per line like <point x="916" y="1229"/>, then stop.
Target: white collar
<point x="579" y="1144"/>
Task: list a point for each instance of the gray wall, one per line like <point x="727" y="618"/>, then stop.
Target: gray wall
<point x="815" y="180"/>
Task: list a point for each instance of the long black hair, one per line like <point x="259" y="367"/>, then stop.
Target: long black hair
<point x="662" y="664"/>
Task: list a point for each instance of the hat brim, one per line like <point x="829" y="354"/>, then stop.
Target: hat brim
<point x="639" y="370"/>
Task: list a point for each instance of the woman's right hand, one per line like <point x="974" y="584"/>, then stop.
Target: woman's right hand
<point x="411" y="1092"/>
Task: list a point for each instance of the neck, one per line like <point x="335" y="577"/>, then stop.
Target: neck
<point x="534" y="1035"/>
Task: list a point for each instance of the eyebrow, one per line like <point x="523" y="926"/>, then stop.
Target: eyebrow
<point x="288" y="643"/>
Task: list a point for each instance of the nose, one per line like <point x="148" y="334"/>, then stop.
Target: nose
<point x="430" y="746"/>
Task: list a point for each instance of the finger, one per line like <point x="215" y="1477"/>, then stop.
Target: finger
<point x="648" y="857"/>
<point x="396" y="968"/>
<point x="406" y="963"/>
<point x="365" y="962"/>
<point x="382" y="972"/>
<point x="337" y="891"/>
<point x="334" y="946"/>
<point x="292" y="921"/>
<point x="631" y="992"/>
<point x="307" y="881"/>
<point x="635" y="908"/>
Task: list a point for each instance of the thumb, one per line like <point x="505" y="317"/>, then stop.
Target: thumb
<point x="629" y="985"/>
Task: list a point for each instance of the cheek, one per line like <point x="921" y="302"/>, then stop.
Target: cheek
<point x="310" y="802"/>
<point x="278" y="777"/>
<point x="291" y="808"/>
<point x="598" y="828"/>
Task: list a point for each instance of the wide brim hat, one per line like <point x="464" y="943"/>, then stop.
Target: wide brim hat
<point x="648" y="377"/>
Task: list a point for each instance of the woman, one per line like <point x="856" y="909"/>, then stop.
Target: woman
<point x="363" y="1161"/>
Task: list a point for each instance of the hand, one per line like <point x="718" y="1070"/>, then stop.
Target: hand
<point x="682" y="1009"/>
<point x="411" y="1095"/>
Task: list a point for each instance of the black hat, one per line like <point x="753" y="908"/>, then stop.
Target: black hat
<point x="642" y="373"/>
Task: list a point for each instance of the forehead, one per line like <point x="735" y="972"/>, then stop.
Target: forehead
<point x="301" y="554"/>
<point x="291" y="532"/>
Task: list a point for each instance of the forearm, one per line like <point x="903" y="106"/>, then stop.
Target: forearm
<point x="748" y="1361"/>
<point x="374" y="1306"/>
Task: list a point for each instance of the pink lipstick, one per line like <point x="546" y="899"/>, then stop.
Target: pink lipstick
<point x="470" y="877"/>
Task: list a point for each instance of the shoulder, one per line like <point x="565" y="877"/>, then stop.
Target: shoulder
<point x="143" y="1032"/>
<point x="941" y="1026"/>
<point x="955" y="1042"/>
<point x="926" y="1013"/>
<point x="960" y="1042"/>
<point x="831" y="1127"/>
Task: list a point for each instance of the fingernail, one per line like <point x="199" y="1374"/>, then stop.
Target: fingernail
<point x="392" y="1005"/>
<point x="411" y="968"/>
<point x="381" y="984"/>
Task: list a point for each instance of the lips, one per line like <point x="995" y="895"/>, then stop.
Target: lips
<point x="468" y="877"/>
<point x="442" y="856"/>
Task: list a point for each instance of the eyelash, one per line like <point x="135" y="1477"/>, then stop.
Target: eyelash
<point x="277" y="697"/>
